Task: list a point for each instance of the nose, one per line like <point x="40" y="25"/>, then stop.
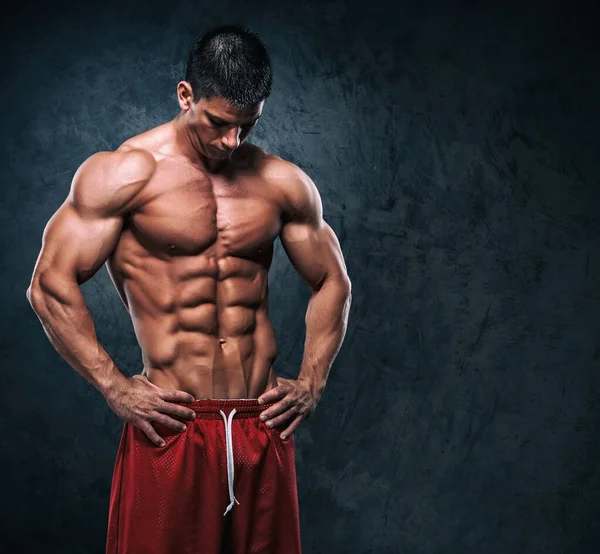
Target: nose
<point x="231" y="140"/>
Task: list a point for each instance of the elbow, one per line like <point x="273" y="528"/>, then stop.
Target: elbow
<point x="339" y="283"/>
<point x="346" y="285"/>
<point x="343" y="284"/>
<point x="50" y="287"/>
<point x="348" y="291"/>
<point x="34" y="294"/>
<point x="29" y="291"/>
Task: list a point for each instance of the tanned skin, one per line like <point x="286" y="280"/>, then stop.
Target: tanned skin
<point x="185" y="216"/>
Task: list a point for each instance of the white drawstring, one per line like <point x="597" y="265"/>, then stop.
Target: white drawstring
<point x="229" y="446"/>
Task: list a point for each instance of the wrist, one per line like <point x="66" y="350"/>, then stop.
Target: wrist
<point x="107" y="382"/>
<point x="316" y="386"/>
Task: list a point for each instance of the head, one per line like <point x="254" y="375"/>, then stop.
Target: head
<point x="227" y="80"/>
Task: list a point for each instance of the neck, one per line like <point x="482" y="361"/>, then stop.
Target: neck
<point x="189" y="145"/>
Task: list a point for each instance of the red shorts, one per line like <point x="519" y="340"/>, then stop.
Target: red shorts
<point x="226" y="485"/>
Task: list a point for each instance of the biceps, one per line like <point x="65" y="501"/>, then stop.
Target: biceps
<point x="74" y="246"/>
<point x="314" y="251"/>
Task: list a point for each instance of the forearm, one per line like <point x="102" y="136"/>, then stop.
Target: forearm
<point x="64" y="315"/>
<point x="326" y="324"/>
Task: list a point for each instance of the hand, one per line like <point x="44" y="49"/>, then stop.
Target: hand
<point x="138" y="401"/>
<point x="297" y="402"/>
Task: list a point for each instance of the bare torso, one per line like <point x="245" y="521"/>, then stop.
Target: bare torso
<point x="191" y="265"/>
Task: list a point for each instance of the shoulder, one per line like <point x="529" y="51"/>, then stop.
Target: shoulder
<point x="109" y="180"/>
<point x="122" y="166"/>
<point x="299" y="194"/>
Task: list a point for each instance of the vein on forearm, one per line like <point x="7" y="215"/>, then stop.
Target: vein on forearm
<point x="65" y="317"/>
<point x="326" y="324"/>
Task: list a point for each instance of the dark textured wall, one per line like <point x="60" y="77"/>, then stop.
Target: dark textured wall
<point x="454" y="145"/>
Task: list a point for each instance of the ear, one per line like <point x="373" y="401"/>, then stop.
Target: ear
<point x="184" y="95"/>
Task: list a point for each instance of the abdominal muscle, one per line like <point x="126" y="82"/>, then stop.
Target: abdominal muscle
<point x="202" y="323"/>
<point x="237" y="366"/>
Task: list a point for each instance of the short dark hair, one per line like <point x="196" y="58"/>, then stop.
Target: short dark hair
<point x="230" y="62"/>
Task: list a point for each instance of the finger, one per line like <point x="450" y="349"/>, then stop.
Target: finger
<point x="175" y="409"/>
<point x="271" y="395"/>
<point x="168" y="421"/>
<point x="293" y="426"/>
<point x="151" y="433"/>
<point x="276" y="421"/>
<point x="276" y="409"/>
<point x="175" y="395"/>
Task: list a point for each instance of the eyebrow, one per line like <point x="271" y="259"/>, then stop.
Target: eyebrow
<point x="220" y="121"/>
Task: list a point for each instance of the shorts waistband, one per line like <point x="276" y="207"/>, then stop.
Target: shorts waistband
<point x="210" y="408"/>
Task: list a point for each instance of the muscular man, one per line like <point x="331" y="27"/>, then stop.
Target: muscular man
<point x="185" y="216"/>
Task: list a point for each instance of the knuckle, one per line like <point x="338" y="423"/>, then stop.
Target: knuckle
<point x="169" y="407"/>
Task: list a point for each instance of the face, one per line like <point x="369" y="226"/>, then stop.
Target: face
<point x="217" y="127"/>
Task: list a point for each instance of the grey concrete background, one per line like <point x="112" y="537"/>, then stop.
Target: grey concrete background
<point x="454" y="145"/>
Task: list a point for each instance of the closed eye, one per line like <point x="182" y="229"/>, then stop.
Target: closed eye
<point x="225" y="123"/>
<point x="217" y="123"/>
